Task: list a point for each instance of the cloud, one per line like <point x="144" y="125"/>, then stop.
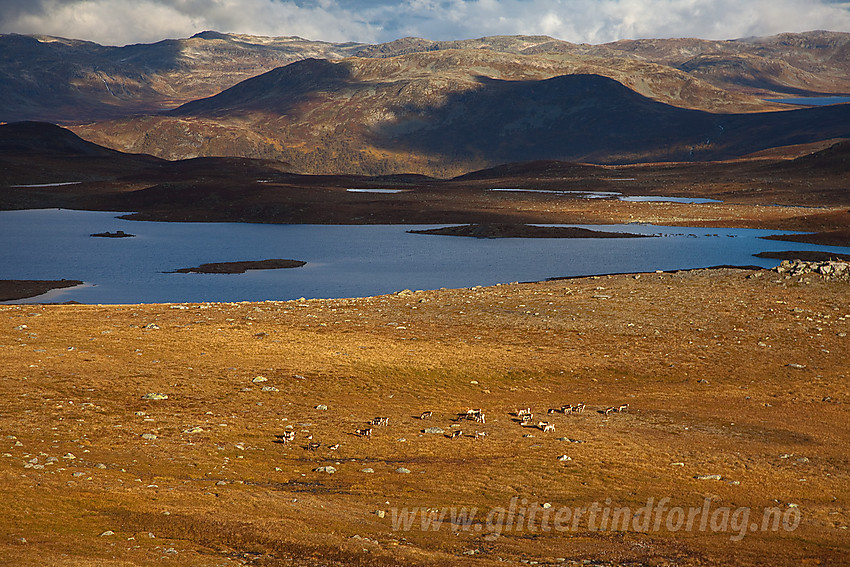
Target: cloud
<point x="119" y="22"/>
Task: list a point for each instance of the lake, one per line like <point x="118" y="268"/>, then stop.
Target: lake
<point x="342" y="260"/>
<point x="812" y="100"/>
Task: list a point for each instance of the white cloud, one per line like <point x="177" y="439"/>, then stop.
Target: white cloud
<point x="593" y="21"/>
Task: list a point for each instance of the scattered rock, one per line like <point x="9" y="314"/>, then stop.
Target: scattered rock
<point x="796" y="366"/>
<point x="259" y="379"/>
<point x="69" y="456"/>
<point x="367" y="470"/>
<point x="269" y="389"/>
<point x="107" y="533"/>
<point x="195" y="429"/>
<point x="328" y="469"/>
<point x="151" y="326"/>
<point x="434" y="430"/>
<point x="708" y="477"/>
<point x="322" y="407"/>
<point x="148" y="436"/>
<point x="402" y="470"/>
<point x="565" y="458"/>
<point x="380" y="513"/>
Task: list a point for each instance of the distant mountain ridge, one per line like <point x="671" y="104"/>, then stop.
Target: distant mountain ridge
<point x="426" y="107"/>
<point x="444" y="113"/>
<point x="66" y="80"/>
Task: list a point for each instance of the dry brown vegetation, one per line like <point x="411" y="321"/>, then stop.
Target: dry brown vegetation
<point x="726" y="372"/>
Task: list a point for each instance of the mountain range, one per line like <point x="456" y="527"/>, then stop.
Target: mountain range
<point x="438" y="108"/>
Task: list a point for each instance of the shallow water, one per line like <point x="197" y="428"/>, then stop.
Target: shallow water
<point x="812" y="100"/>
<point x="342" y="261"/>
<point x="615" y="195"/>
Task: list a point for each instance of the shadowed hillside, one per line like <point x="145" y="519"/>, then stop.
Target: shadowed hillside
<point x="439" y="114"/>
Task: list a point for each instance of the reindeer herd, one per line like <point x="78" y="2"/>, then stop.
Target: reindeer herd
<point x="523" y="416"/>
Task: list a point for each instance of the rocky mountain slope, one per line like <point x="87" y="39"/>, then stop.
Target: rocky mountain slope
<point x="66" y="80"/>
<point x="438" y="108"/>
<point x="448" y="112"/>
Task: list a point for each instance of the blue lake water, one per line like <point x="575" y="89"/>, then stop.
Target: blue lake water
<point x="812" y="100"/>
<point x="614" y="195"/>
<point x="342" y="261"/>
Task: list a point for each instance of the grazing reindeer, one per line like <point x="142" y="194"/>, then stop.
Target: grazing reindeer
<point x="334" y="447"/>
<point x="555" y="410"/>
<point x="426" y="414"/>
<point x="286" y="437"/>
<point x="567" y="409"/>
<point x="480" y="434"/>
<point x="364" y="432"/>
<point x="522" y="411"/>
<point x="606" y="411"/>
<point x="380" y="421"/>
<point x="548" y="427"/>
<point x="578" y="408"/>
<point x="526" y="418"/>
<point x="622" y="408"/>
<point x="478" y="418"/>
<point x="456" y="433"/>
<point x="313" y="446"/>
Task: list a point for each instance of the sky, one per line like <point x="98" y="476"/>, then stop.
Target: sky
<point x="121" y="22"/>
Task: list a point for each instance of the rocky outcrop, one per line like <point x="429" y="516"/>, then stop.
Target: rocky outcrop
<point x="836" y="270"/>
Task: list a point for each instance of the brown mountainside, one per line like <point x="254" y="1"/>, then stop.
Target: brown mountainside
<point x="448" y="112"/>
<point x="66" y="81"/>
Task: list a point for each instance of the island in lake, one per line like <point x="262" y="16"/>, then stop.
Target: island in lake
<point x="240" y="267"/>
<point x="498" y="230"/>
<point x="116" y="234"/>
<point x="11" y="290"/>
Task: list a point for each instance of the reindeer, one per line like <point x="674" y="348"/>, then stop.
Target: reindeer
<point x="380" y="421"/>
<point x="286" y="437"/>
<point x="334" y="447"/>
<point x="364" y="432"/>
<point x="555" y="410"/>
<point x="525" y="419"/>
<point x="578" y="408"/>
<point x="548" y="427"/>
<point x="426" y="414"/>
<point x="480" y="434"/>
<point x="606" y="411"/>
<point x="312" y="446"/>
<point x="478" y="418"/>
<point x="522" y="411"/>
<point x="456" y="433"/>
<point x="622" y="408"/>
